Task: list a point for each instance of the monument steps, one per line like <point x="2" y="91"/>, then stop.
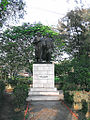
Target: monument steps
<point x="35" y="96"/>
<point x="43" y="89"/>
<point x="44" y="93"/>
<point x="44" y="97"/>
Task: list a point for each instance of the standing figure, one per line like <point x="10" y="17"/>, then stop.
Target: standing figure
<point x="43" y="48"/>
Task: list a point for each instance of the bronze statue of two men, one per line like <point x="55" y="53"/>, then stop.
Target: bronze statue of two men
<point x="43" y="48"/>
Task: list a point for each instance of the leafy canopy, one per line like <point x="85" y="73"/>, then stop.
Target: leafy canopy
<point x="17" y="50"/>
<point x="11" y="9"/>
<point x="75" y="27"/>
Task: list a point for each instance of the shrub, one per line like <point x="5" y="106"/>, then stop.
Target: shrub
<point x="69" y="86"/>
<point x="2" y="88"/>
<point x="19" y="80"/>
<point x="57" y="79"/>
<point x="21" y="93"/>
<point x="12" y="81"/>
<point x="84" y="106"/>
<point x="68" y="98"/>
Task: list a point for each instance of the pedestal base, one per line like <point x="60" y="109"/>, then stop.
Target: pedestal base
<point x="36" y="94"/>
<point x="43" y="84"/>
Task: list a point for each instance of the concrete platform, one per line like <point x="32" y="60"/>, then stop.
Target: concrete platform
<point x="45" y="95"/>
<point x="43" y="89"/>
<point x="43" y="84"/>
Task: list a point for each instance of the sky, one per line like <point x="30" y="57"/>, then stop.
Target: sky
<point x="49" y="11"/>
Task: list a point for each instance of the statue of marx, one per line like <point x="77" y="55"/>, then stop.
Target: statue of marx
<point x="43" y="48"/>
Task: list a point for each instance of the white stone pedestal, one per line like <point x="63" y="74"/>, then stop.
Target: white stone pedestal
<point x="43" y="84"/>
<point x="43" y="75"/>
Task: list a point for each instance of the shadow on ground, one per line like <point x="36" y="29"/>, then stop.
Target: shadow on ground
<point x="48" y="110"/>
<point x="7" y="109"/>
<point x="38" y="110"/>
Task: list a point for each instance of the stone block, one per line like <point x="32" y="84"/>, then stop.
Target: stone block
<point x="44" y="93"/>
<point x="37" y="85"/>
<point x="43" y="73"/>
<point x="43" y="83"/>
<point x="46" y="97"/>
<point x="43" y="89"/>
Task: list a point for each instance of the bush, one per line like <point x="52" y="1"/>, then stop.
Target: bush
<point x="2" y="88"/>
<point x="21" y="93"/>
<point x="69" y="86"/>
<point x="13" y="81"/>
<point x="19" y="80"/>
<point x="57" y="80"/>
<point x="84" y="106"/>
<point x="68" y="98"/>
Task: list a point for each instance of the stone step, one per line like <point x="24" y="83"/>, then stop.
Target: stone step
<point x="43" y="89"/>
<point x="44" y="97"/>
<point x="43" y="93"/>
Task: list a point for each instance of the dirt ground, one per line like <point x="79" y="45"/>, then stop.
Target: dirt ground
<point x="38" y="110"/>
<point x="7" y="109"/>
<point x="49" y="110"/>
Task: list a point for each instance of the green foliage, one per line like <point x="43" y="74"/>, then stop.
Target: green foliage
<point x="81" y="74"/>
<point x="84" y="107"/>
<point x="74" y="75"/>
<point x="17" y="51"/>
<point x="68" y="98"/>
<point x="57" y="79"/>
<point x="4" y="3"/>
<point x="13" y="81"/>
<point x="69" y="86"/>
<point x="62" y="68"/>
<point x="19" y="80"/>
<point x="75" y="30"/>
<point x="2" y="88"/>
<point x="20" y="93"/>
<point x="62" y="71"/>
<point x="11" y="8"/>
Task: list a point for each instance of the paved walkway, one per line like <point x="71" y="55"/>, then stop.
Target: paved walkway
<point x="49" y="110"/>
